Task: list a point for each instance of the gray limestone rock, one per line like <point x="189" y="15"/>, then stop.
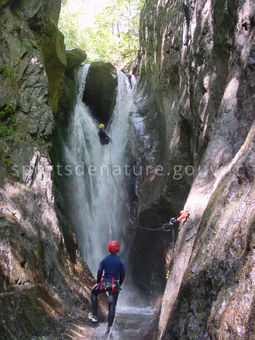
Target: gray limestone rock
<point x="197" y="78"/>
<point x="43" y="278"/>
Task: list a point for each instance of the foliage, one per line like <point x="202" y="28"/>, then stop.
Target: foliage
<point x="6" y="131"/>
<point x="29" y="46"/>
<point x="113" y="36"/>
<point x="3" y="2"/>
<point x="8" y="122"/>
<point x="8" y="73"/>
<point x="41" y="143"/>
<point x="5" y="159"/>
<point x="6" y="111"/>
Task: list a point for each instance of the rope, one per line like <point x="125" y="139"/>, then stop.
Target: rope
<point x="164" y="227"/>
<point x="112" y="172"/>
<point x="108" y="220"/>
<point x="110" y="333"/>
<point x="109" y="123"/>
<point x="152" y="229"/>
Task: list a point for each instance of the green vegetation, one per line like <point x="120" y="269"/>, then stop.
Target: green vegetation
<point x="41" y="143"/>
<point x="29" y="46"/>
<point x="8" y="73"/>
<point x="6" y="111"/>
<point x="22" y="136"/>
<point x="112" y="35"/>
<point x="3" y="2"/>
<point x="5" y="160"/>
<point x="7" y="121"/>
<point x="6" y="131"/>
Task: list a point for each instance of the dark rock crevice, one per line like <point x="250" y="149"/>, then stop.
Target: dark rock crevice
<point x="100" y="91"/>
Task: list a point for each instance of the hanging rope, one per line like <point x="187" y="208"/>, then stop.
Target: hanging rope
<point x="112" y="172"/>
<point x="109" y="123"/>
<point x="110" y="333"/>
<point x="164" y="227"/>
<point x="108" y="220"/>
<point x="167" y="226"/>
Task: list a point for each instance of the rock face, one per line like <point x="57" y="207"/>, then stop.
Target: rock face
<point x="44" y="283"/>
<point x="67" y="92"/>
<point x="74" y="58"/>
<point x="197" y="73"/>
<point x="42" y="274"/>
<point x="100" y="90"/>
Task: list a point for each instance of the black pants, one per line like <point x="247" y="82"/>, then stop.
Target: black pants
<point x="112" y="301"/>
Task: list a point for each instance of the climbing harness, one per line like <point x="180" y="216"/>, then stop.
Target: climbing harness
<point x="108" y="286"/>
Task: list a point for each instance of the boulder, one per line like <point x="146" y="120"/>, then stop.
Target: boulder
<point x="66" y="91"/>
<point x="100" y="90"/>
<point x="74" y="58"/>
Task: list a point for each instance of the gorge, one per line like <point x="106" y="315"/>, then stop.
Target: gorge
<point x="188" y="117"/>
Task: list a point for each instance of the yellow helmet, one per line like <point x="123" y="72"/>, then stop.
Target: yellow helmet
<point x="101" y="126"/>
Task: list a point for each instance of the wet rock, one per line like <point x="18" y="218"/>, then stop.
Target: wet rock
<point x="100" y="90"/>
<point x="55" y="63"/>
<point x="74" y="59"/>
<point x="67" y="93"/>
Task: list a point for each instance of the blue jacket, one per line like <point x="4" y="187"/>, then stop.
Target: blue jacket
<point x="113" y="267"/>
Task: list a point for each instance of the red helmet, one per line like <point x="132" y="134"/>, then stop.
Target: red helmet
<point x="113" y="247"/>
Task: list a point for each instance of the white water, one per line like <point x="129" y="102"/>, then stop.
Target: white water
<point x="99" y="191"/>
<point x="99" y="205"/>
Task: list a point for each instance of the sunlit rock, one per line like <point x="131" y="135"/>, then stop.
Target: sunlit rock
<point x="197" y="80"/>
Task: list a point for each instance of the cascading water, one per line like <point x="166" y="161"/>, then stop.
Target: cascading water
<point x="99" y="199"/>
<point x="99" y="182"/>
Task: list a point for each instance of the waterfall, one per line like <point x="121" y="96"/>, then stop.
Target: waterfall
<point x="99" y="195"/>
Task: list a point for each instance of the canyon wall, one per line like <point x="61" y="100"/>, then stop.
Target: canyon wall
<point x="44" y="282"/>
<point x="197" y="75"/>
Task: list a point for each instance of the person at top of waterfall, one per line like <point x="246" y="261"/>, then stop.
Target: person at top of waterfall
<point x="112" y="268"/>
<point x="103" y="136"/>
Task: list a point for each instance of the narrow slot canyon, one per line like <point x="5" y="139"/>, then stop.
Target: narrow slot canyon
<point x="172" y="85"/>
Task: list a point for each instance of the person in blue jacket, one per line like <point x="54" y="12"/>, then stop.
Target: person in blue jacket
<point x="103" y="136"/>
<point x="112" y="268"/>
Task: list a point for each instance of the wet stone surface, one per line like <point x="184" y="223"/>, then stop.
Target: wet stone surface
<point x="126" y="326"/>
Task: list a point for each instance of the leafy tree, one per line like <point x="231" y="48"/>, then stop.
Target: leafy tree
<point x="113" y="36"/>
